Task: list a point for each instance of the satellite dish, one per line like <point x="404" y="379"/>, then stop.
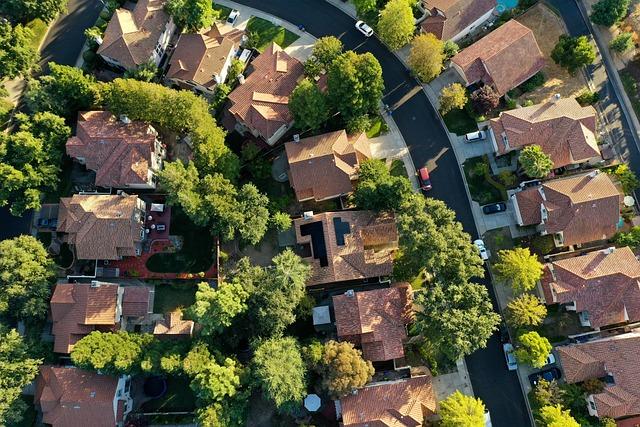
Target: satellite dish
<point x="629" y="201"/>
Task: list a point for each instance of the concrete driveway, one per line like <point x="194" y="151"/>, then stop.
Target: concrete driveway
<point x="448" y="76"/>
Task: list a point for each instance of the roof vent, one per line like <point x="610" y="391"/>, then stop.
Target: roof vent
<point x="296" y="137"/>
<point x="124" y="119"/>
<point x="92" y="394"/>
<point x="556" y="97"/>
<point x="95" y="284"/>
<point x="609" y="250"/>
<point x="350" y="293"/>
<point x="307" y="215"/>
<point x="593" y="174"/>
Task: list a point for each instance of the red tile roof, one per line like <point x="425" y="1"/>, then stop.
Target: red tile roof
<point x="375" y="320"/>
<point x="585" y="208"/>
<point x="172" y="325"/>
<point x="604" y="283"/>
<point x="563" y="129"/>
<point x="72" y="397"/>
<point x="324" y="166"/>
<point x="450" y="17"/>
<point x="616" y="356"/>
<point x="403" y="403"/>
<point x="136" y="301"/>
<point x="505" y="58"/>
<point x="261" y="102"/>
<point x="120" y="153"/>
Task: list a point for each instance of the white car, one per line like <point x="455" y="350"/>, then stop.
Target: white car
<point x="551" y="359"/>
<point x="482" y="249"/>
<point x="364" y="28"/>
<point x="510" y="356"/>
<point x="475" y="136"/>
<point x="233" y="17"/>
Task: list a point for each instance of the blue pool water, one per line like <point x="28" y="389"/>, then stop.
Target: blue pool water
<point x="506" y="4"/>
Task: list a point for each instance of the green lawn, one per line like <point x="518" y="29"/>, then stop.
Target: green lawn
<point x="168" y="297"/>
<point x="224" y="11"/>
<point x="398" y="169"/>
<point x="39" y="29"/>
<point x="482" y="190"/>
<point x="179" y="397"/>
<point x="631" y="87"/>
<point x="460" y="122"/>
<point x="378" y="127"/>
<point x="262" y="32"/>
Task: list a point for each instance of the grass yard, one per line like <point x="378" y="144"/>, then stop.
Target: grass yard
<point x="398" y="169"/>
<point x="168" y="297"/>
<point x="39" y="28"/>
<point x="178" y="398"/>
<point x="460" y="122"/>
<point x="631" y="87"/>
<point x="224" y="11"/>
<point x="378" y="127"/>
<point x="481" y="188"/>
<point x="262" y="32"/>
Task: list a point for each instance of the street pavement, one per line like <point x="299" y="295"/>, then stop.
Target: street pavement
<point x="428" y="142"/>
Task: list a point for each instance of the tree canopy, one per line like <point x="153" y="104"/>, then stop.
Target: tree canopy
<point x="342" y="368"/>
<point x="326" y="49"/>
<point x="364" y="6"/>
<point x="533" y="349"/>
<point x="622" y="42"/>
<point x="377" y="189"/>
<point x="485" y="99"/>
<point x="609" y="12"/>
<point x="17" y="56"/>
<point x="192" y="15"/>
<point x="308" y="105"/>
<point x="519" y="268"/>
<point x="213" y="378"/>
<point x="526" y="310"/>
<point x="426" y="57"/>
<point x="452" y="97"/>
<point x="215" y="309"/>
<point x="573" y="53"/>
<point x="555" y="416"/>
<point x="396" y="24"/>
<point x="460" y="410"/>
<point x="535" y="162"/>
<point x="26" y="276"/>
<point x="112" y="352"/>
<point x="23" y="11"/>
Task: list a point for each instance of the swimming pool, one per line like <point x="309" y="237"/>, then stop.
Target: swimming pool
<point x="505" y="5"/>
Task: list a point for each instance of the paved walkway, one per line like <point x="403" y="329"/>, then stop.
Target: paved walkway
<point x="446" y="384"/>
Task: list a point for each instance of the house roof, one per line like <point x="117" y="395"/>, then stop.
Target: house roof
<point x="136" y="301"/>
<point x="172" y="324"/>
<point x="324" y="166"/>
<point x="100" y="226"/>
<point x="261" y="102"/>
<point x="375" y="320"/>
<point x="73" y="397"/>
<point x="450" y="17"/>
<point x="504" y="58"/>
<point x="131" y="36"/>
<point x="201" y="56"/>
<point x="604" y="283"/>
<point x="616" y="356"/>
<point x="120" y="153"/>
<point x="585" y="208"/>
<point x="400" y="403"/>
<point x="563" y="129"/>
<point x="348" y="245"/>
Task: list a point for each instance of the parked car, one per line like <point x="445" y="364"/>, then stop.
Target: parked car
<point x="482" y="249"/>
<point x="510" y="356"/>
<point x="546" y="374"/>
<point x="532" y="183"/>
<point x="233" y="17"/>
<point x="475" y="136"/>
<point x="364" y="28"/>
<point x="47" y="222"/>
<point x="494" y="208"/>
<point x="423" y="178"/>
<point x="551" y="359"/>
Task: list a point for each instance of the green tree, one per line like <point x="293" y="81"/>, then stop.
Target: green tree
<point x="215" y="309"/>
<point x="460" y="410"/>
<point x="230" y="412"/>
<point x="308" y="105"/>
<point x="533" y="349"/>
<point x="356" y="125"/>
<point x="609" y="12"/>
<point x="354" y="84"/>
<point x="622" y="42"/>
<point x="281" y="221"/>
<point x="377" y="189"/>
<point x="326" y="49"/>
<point x="343" y="369"/>
<point x="629" y="238"/>
<point x="23" y="11"/>
<point x="547" y="393"/>
<point x="555" y="416"/>
<point x="396" y="24"/>
<point x="26" y="276"/>
<point x="217" y="381"/>
<point x="573" y="53"/>
<point x="535" y="162"/>
<point x="426" y="57"/>
<point x="64" y="91"/>
<point x="50" y="129"/>
<point x="627" y="178"/>
<point x="450" y="49"/>
<point x="192" y="15"/>
<point x="364" y="6"/>
<point x="280" y="372"/>
<point x="526" y="310"/>
<point x="519" y="268"/>
<point x="144" y="72"/>
<point x="17" y="56"/>
<point x="457" y="318"/>
<point x="452" y="97"/>
<point x="253" y="206"/>
<point x="485" y="99"/>
<point x="112" y="352"/>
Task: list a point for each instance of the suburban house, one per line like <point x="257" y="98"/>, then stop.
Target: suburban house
<point x="614" y="360"/>
<point x="69" y="396"/>
<point x="80" y="308"/>
<point x="375" y="320"/>
<point x="325" y="166"/>
<point x="405" y="402"/>
<point x="346" y="245"/>
<point x="575" y="210"/>
<point x="454" y="19"/>
<point x="561" y="127"/>
<point x="172" y="326"/>
<point x="138" y="36"/>
<point x="503" y="59"/>
<point x="102" y="226"/>
<point x="123" y="153"/>
<point x="259" y="105"/>
<point x="201" y="61"/>
<point x="603" y="287"/>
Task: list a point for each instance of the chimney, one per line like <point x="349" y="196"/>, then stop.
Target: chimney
<point x="350" y="293"/>
<point x="307" y="215"/>
<point x="241" y="79"/>
<point x="95" y="284"/>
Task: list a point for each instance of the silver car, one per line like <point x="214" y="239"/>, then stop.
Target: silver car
<point x="510" y="356"/>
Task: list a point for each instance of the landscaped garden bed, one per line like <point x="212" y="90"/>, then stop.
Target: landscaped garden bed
<point x="170" y="296"/>
<point x="483" y="187"/>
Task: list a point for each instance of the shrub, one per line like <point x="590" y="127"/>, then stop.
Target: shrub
<point x="485" y="99"/>
<point x="89" y="56"/>
<point x="587" y="97"/>
<point x="622" y="43"/>
<point x="533" y="83"/>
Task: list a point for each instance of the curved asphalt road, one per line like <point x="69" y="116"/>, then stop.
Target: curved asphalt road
<point x="427" y="141"/>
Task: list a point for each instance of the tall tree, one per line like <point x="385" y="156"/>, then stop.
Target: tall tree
<point x="280" y="372"/>
<point x="112" y="352"/>
<point x="26" y="276"/>
<point x="622" y="42"/>
<point x="343" y="369"/>
<point x="485" y="99"/>
<point x="377" y="189"/>
<point x="308" y="105"/>
<point x="326" y="49"/>
<point x="426" y="57"/>
<point x="519" y="268"/>
<point x="526" y="310"/>
<point x="533" y="349"/>
<point x="364" y="6"/>
<point x="452" y="97"/>
<point x="573" y="53"/>
<point x="23" y="11"/>
<point x="535" y="162"/>
<point x="555" y="416"/>
<point x="457" y="318"/>
<point x="17" y="56"/>
<point x="609" y="12"/>
<point x="396" y="24"/>
<point x="192" y="15"/>
<point x="460" y="410"/>
<point x="215" y="309"/>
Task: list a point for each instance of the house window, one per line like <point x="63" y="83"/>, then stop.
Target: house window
<point x="592" y="404"/>
<point x="142" y="234"/>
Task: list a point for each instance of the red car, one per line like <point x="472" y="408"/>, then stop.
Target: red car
<point x="423" y="177"/>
